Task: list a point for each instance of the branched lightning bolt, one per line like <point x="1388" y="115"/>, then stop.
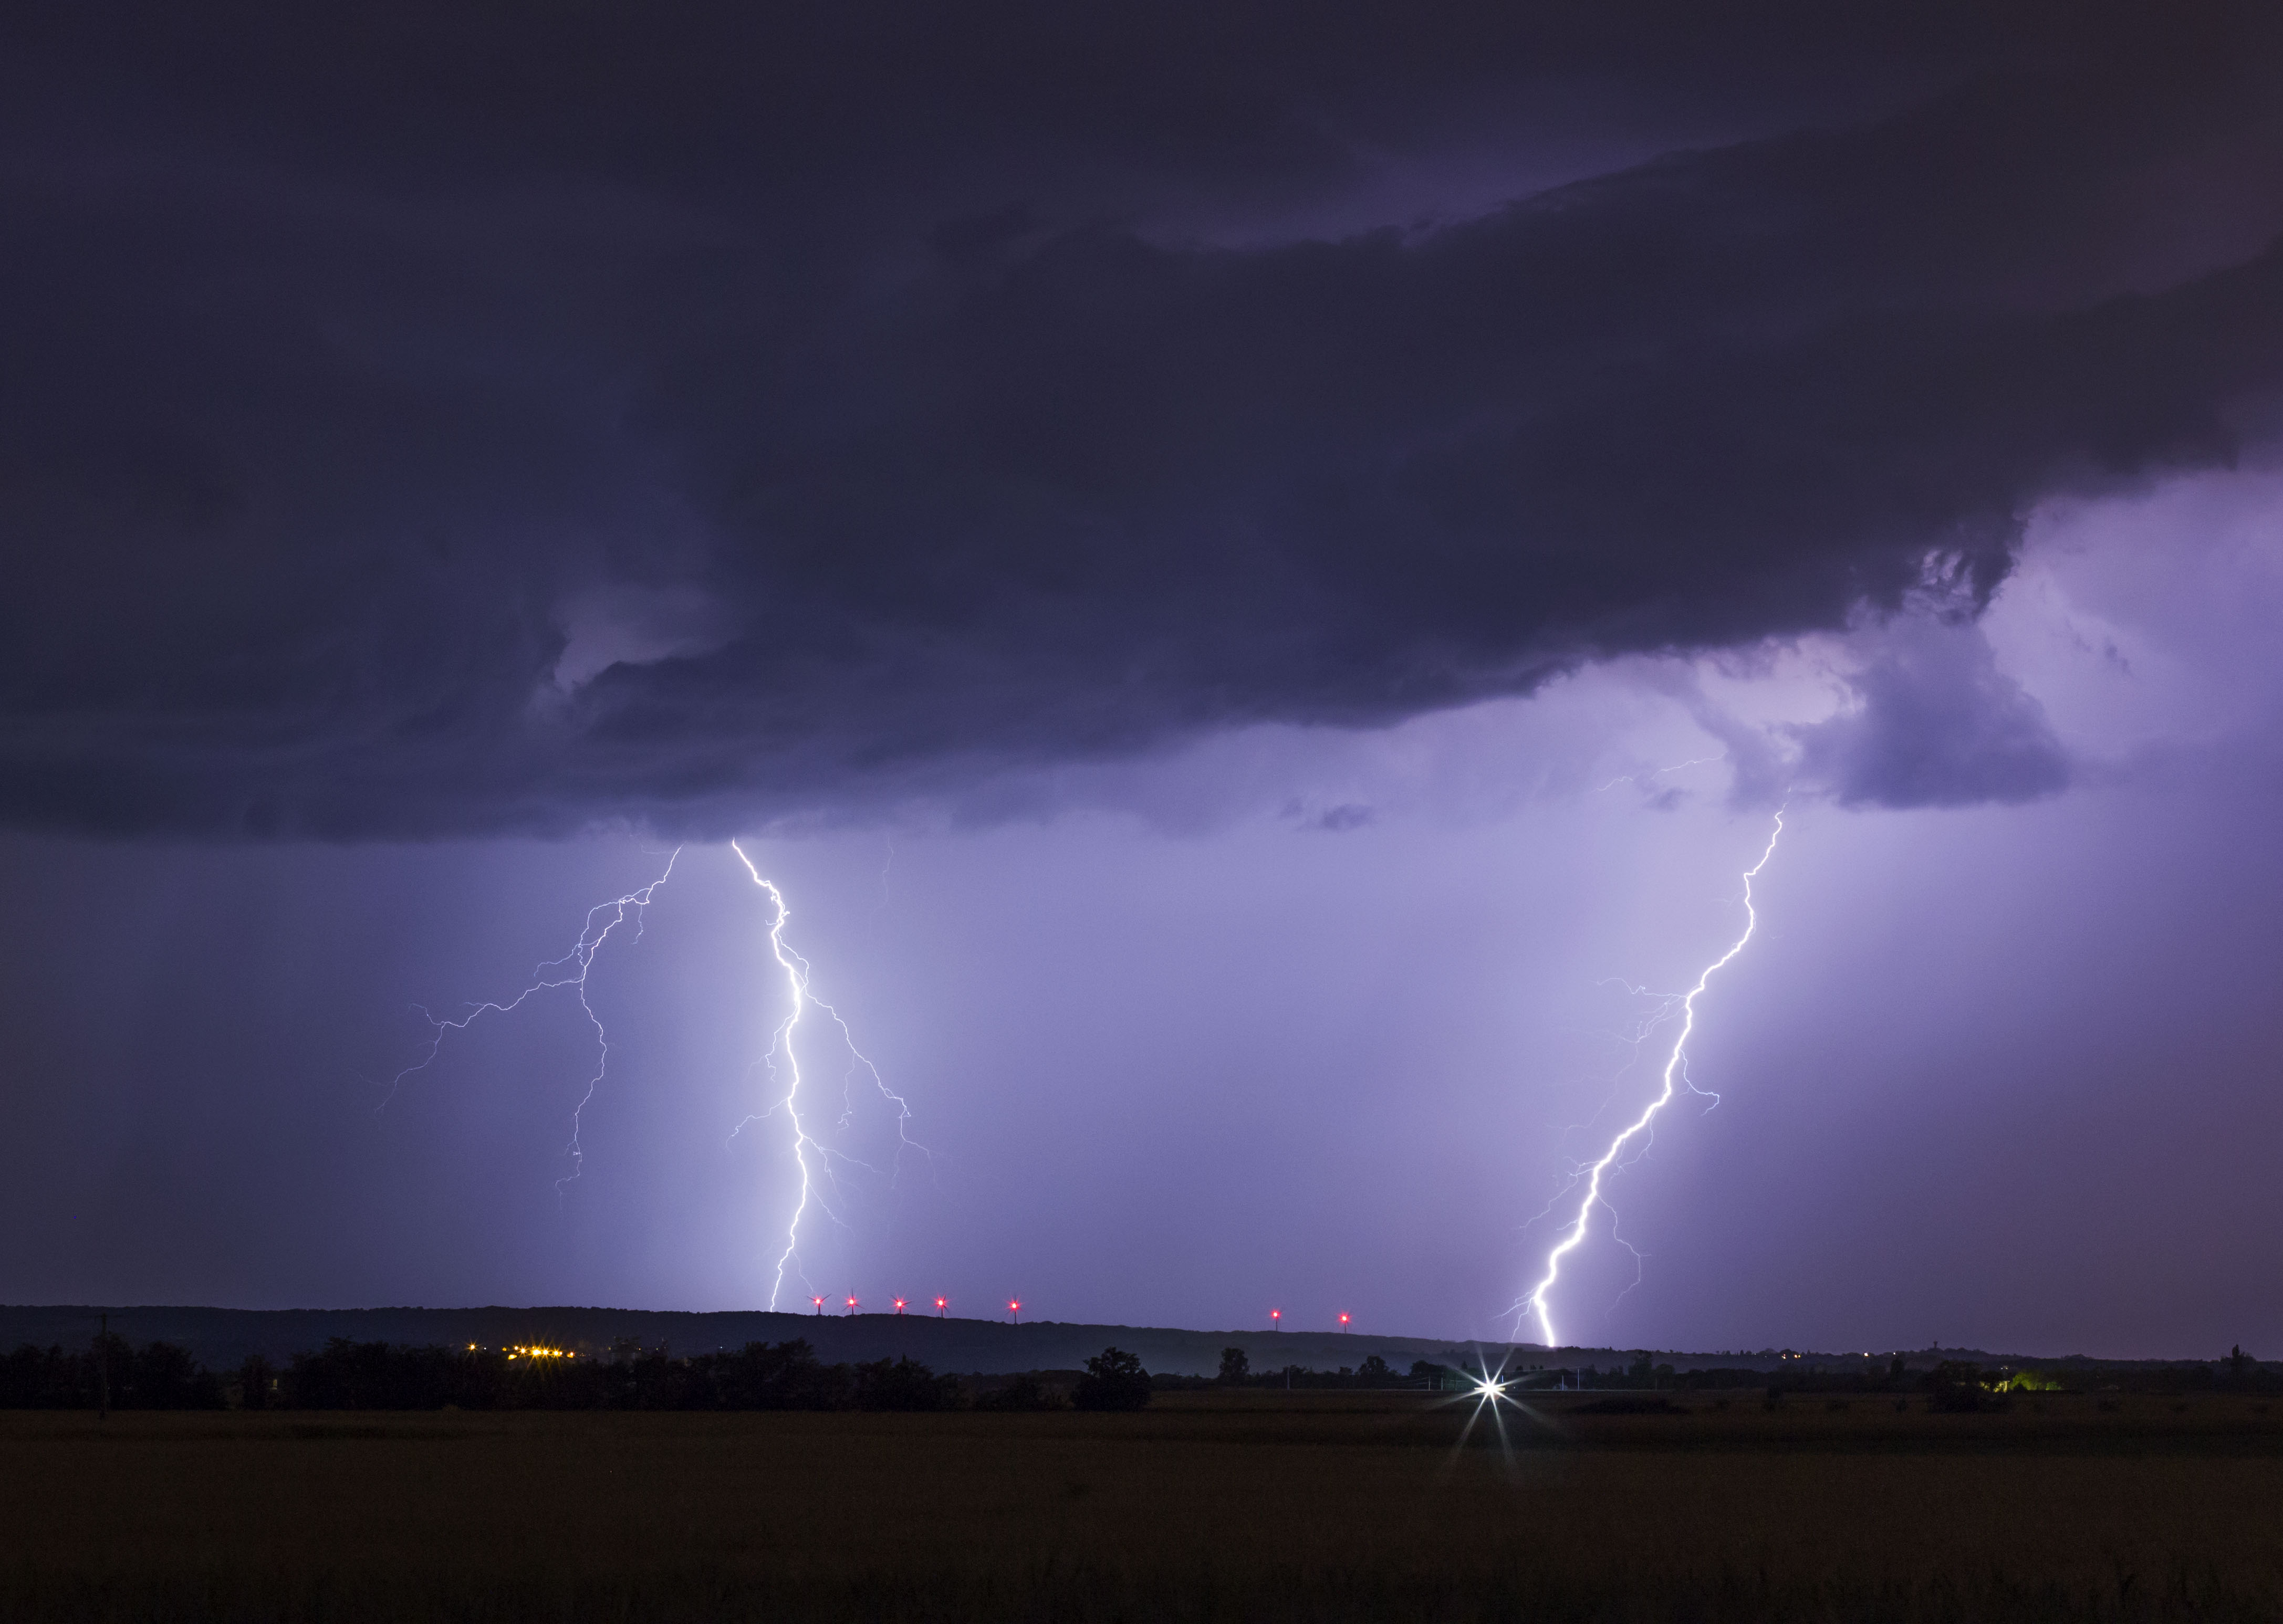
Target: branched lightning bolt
<point x="1676" y="1075"/>
<point x="815" y="1158"/>
<point x="568" y="971"/>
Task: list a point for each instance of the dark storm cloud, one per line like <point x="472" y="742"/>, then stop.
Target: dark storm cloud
<point x="487" y="420"/>
<point x="1934" y="723"/>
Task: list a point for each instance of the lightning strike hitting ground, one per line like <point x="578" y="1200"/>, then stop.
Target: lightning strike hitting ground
<point x="1676" y="1071"/>
<point x="573" y="968"/>
<point x="814" y="1157"/>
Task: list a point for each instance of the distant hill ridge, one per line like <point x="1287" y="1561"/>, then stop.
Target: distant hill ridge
<point x="220" y="1337"/>
<point x="223" y="1337"/>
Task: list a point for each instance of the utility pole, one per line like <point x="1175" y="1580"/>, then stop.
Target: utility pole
<point x="103" y="1368"/>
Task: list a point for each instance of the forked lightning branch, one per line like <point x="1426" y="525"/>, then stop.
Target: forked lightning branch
<point x="817" y="1164"/>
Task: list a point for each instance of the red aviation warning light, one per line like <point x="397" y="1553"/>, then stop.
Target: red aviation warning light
<point x="940" y="1304"/>
<point x="819" y="1306"/>
<point x="1276" y="1319"/>
<point x="1014" y="1309"/>
<point x="1343" y="1322"/>
<point x="852" y="1302"/>
<point x="899" y="1305"/>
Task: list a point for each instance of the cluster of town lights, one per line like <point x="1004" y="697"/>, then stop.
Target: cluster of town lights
<point x="520" y="1350"/>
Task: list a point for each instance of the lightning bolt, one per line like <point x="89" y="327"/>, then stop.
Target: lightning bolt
<point x="814" y="1158"/>
<point x="1676" y="1072"/>
<point x="568" y="971"/>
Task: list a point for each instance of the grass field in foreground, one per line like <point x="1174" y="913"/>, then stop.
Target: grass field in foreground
<point x="1249" y="1505"/>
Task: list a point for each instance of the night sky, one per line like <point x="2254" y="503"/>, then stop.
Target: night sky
<point x="1255" y="575"/>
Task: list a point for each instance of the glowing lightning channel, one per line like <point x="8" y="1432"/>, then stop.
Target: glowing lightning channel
<point x="1676" y="1067"/>
<point x="568" y="971"/>
<point x="804" y="1145"/>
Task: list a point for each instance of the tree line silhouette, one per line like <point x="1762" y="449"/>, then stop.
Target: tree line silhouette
<point x="351" y="1375"/>
<point x="1236" y="1371"/>
<point x="155" y="1376"/>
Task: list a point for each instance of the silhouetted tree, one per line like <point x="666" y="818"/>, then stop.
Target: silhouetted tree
<point x="763" y="1376"/>
<point x="1440" y="1377"/>
<point x="1114" y="1379"/>
<point x="1961" y="1386"/>
<point x="47" y="1379"/>
<point x="1236" y="1365"/>
<point x="161" y="1376"/>
<point x="900" y="1384"/>
<point x="157" y="1375"/>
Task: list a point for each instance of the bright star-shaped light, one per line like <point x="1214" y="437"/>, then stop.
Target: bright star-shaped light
<point x="1487" y="1392"/>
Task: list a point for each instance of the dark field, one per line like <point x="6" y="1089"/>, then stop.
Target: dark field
<point x="1252" y="1505"/>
